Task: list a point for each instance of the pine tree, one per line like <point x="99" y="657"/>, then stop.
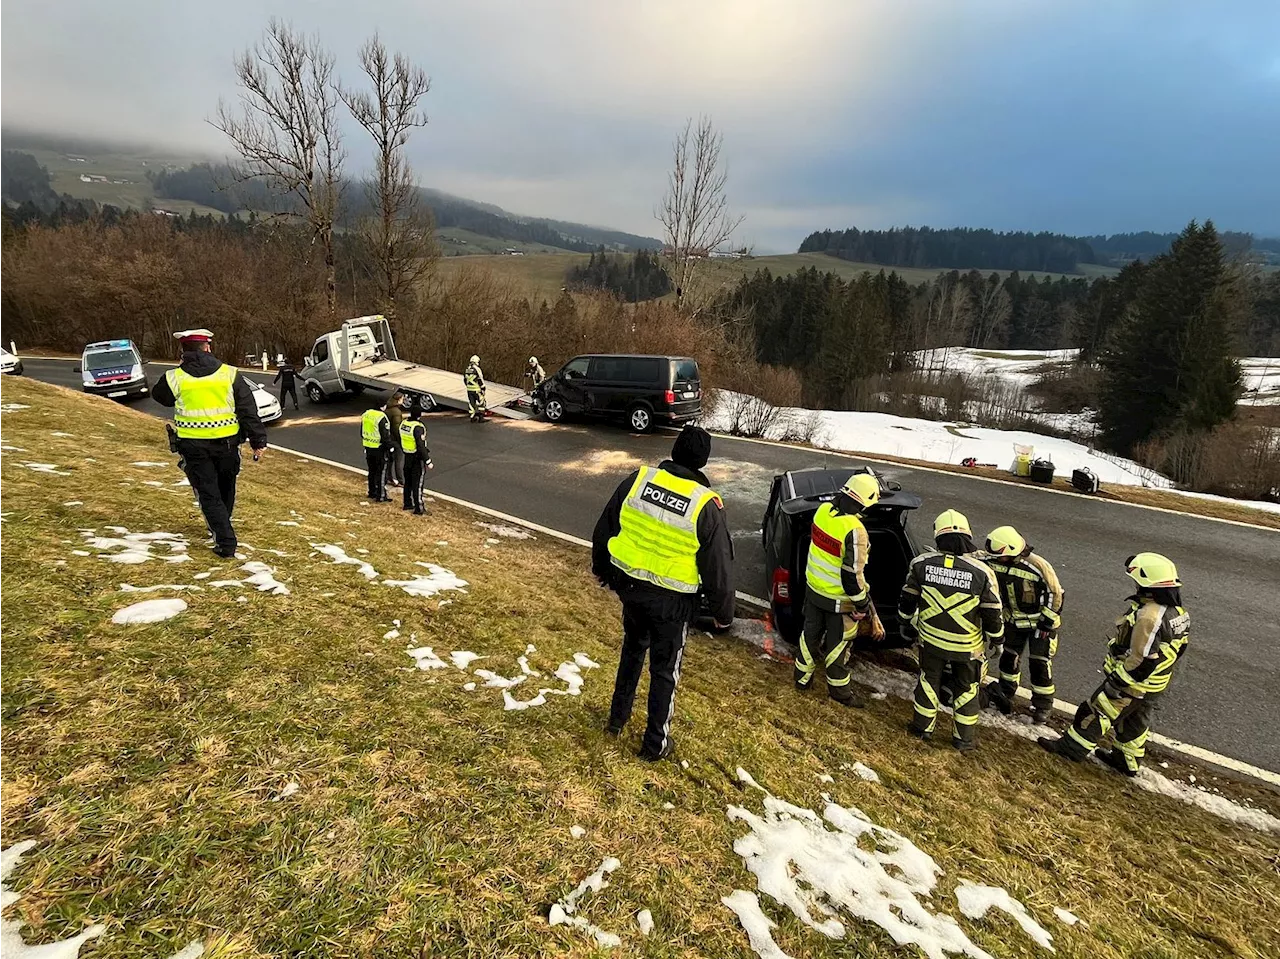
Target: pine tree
<point x="1171" y="365"/>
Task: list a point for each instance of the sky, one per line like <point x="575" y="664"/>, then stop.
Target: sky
<point x="1074" y="116"/>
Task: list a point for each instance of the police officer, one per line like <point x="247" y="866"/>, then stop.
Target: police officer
<point x="837" y="597"/>
<point x="213" y="407"/>
<point x="1150" y="638"/>
<point x="1032" y="597"/>
<point x="473" y="380"/>
<point x="287" y="377"/>
<point x="417" y="458"/>
<point x="950" y="602"/>
<point x="660" y="542"/>
<point x="375" y="434"/>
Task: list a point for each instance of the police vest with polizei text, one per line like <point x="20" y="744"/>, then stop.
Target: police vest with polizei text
<point x="657" y="540"/>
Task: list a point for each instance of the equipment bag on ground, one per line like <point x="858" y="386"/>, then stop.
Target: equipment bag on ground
<point x="1042" y="471"/>
<point x="1085" y="480"/>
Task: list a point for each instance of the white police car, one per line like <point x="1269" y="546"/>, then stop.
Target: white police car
<point x="10" y="361"/>
<point x="113" y="368"/>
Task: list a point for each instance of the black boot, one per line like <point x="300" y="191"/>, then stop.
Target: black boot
<point x="1051" y="745"/>
<point x="964" y="745"/>
<point x="1115" y="759"/>
<point x="919" y="733"/>
<point x="848" y="696"/>
<point x="998" y="698"/>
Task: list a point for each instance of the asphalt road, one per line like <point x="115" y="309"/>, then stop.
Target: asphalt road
<point x="1224" y="697"/>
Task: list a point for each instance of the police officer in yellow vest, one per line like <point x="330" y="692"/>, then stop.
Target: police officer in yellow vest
<point x="213" y="411"/>
<point x="837" y="596"/>
<point x="950" y="600"/>
<point x="417" y="458"/>
<point x="375" y="435"/>
<point x="1150" y="638"/>
<point x="663" y="544"/>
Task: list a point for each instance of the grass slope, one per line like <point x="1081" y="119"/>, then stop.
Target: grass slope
<point x="145" y="759"/>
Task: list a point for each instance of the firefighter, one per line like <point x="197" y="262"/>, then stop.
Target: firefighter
<point x="376" y="435"/>
<point x="662" y="543"/>
<point x="535" y="372"/>
<point x="213" y="407"/>
<point x="417" y="458"/>
<point x="950" y="603"/>
<point x="1032" y="597"/>
<point x="837" y="597"/>
<point x="473" y="379"/>
<point x="1150" y="638"/>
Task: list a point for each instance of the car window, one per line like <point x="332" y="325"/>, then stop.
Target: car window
<point x="110" y="359"/>
<point x="576" y="367"/>
<point x="321" y="352"/>
<point x="609" y="369"/>
<point x="687" y="371"/>
<point x="644" y="369"/>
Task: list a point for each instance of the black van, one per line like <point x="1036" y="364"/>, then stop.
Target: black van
<point x="639" y="390"/>
<point x="794" y="498"/>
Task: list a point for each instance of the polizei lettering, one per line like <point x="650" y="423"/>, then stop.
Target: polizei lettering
<point x="951" y="578"/>
<point x="672" y="502"/>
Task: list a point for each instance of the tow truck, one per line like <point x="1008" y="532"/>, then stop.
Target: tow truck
<point x="362" y="355"/>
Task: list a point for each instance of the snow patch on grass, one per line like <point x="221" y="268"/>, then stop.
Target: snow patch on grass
<point x="577" y="832"/>
<point x="11" y="942"/>
<point x="644" y="919"/>
<point x="48" y="468"/>
<point x="463" y="658"/>
<point x="424" y="657"/>
<point x="133" y="548"/>
<point x="340" y="558"/>
<point x="148" y="611"/>
<point x="506" y="532"/>
<point x="147" y="464"/>
<point x="863" y="771"/>
<point x="562" y="913"/>
<point x="1065" y="916"/>
<point x="440" y="579"/>
<point x="975" y="900"/>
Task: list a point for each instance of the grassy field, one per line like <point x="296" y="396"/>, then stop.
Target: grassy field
<point x="542" y="275"/>
<point x="153" y="764"/>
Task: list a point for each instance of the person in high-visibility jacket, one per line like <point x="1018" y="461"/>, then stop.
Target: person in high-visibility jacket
<point x="375" y="435"/>
<point x="213" y="411"/>
<point x="663" y="544"/>
<point x="1032" y="596"/>
<point x="837" y="596"/>
<point x="951" y="604"/>
<point x="535" y="372"/>
<point x="417" y="458"/>
<point x="473" y="380"/>
<point x="1151" y="636"/>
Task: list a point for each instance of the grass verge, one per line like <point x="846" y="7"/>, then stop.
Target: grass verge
<point x="148" y="761"/>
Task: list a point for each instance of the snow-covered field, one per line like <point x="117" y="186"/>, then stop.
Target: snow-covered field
<point x="1261" y="381"/>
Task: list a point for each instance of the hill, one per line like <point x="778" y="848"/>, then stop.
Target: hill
<point x="307" y="759"/>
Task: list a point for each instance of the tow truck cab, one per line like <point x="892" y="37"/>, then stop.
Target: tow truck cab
<point x="113" y="368"/>
<point x="793" y="500"/>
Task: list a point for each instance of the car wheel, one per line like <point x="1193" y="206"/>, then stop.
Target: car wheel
<point x="640" y="418"/>
<point x="553" y="411"/>
<point x="314" y="393"/>
<point x="17" y="370"/>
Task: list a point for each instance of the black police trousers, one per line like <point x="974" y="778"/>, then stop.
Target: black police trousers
<point x="414" y="473"/>
<point x="212" y="467"/>
<point x="376" y="461"/>
<point x="654" y="621"/>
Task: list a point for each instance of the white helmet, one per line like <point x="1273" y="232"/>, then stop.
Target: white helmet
<point x="533" y="361"/>
<point x="475" y="358"/>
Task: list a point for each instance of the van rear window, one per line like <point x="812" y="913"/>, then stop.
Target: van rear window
<point x="647" y="369"/>
<point x="687" y="371"/>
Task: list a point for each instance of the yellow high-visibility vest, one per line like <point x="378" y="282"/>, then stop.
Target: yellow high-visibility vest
<point x="826" y="554"/>
<point x="204" y="407"/>
<point x="370" y="434"/>
<point x="658" y="539"/>
<point x="408" y="436"/>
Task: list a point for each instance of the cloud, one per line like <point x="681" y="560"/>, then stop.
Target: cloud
<point x="992" y="112"/>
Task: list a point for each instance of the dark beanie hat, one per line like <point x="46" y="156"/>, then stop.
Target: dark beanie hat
<point x="692" y="448"/>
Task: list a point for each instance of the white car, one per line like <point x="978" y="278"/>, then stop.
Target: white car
<point x="10" y="362"/>
<point x="268" y="406"/>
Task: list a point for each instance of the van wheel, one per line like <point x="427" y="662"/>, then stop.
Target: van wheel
<point x="553" y="411"/>
<point x="640" y="418"/>
<point x="314" y="393"/>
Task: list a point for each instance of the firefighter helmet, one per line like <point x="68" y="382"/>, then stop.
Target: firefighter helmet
<point x="863" y="489"/>
<point x="1152" y="570"/>
<point x="1006" y="541"/>
<point x="475" y="358"/>
<point x="951" y="521"/>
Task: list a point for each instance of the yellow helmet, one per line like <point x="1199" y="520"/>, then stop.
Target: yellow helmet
<point x="1152" y="570"/>
<point x="951" y="521"/>
<point x="1006" y="541"/>
<point x="863" y="489"/>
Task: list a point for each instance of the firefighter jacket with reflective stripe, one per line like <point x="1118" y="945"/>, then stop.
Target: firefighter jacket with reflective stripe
<point x="1148" y="642"/>
<point x="658" y="537"/>
<point x="473" y="378"/>
<point x="838" y="549"/>
<point x="1030" y="590"/>
<point x="952" y="601"/>
<point x="374" y="429"/>
<point x="204" y="406"/>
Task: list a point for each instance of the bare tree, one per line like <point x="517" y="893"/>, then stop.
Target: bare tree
<point x="286" y="130"/>
<point x="992" y="312"/>
<point x="695" y="210"/>
<point x="399" y="230"/>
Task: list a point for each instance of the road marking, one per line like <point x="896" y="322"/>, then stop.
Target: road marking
<point x="1173" y="745"/>
<point x="851" y="455"/>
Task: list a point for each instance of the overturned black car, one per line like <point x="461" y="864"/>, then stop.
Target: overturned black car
<point x="793" y="500"/>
